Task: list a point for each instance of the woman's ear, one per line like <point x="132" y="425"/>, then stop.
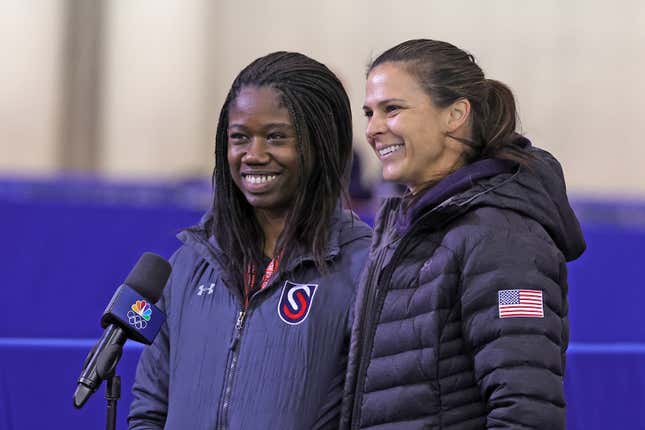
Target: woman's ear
<point x="458" y="115"/>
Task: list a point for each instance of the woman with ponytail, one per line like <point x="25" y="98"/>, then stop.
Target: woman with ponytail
<point x="461" y="314"/>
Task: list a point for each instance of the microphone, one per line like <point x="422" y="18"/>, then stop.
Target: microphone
<point x="131" y="314"/>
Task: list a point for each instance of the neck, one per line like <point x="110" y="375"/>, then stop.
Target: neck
<point x="272" y="225"/>
<point x="443" y="168"/>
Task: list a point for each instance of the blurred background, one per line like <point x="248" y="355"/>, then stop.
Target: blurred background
<point x="108" y="111"/>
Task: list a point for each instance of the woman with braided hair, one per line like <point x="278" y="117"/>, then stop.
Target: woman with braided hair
<point x="461" y="317"/>
<point x="259" y="297"/>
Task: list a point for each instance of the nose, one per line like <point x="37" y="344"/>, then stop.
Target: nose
<point x="257" y="152"/>
<point x="375" y="126"/>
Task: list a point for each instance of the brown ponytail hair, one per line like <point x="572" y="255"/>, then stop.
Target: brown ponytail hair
<point x="448" y="74"/>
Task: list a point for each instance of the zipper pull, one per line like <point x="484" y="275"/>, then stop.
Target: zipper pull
<point x="239" y="324"/>
<point x="240" y="320"/>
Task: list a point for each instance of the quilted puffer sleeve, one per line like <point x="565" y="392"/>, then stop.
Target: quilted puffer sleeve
<point x="517" y="349"/>
<point x="150" y="390"/>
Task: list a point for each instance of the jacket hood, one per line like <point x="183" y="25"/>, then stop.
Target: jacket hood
<point x="537" y="191"/>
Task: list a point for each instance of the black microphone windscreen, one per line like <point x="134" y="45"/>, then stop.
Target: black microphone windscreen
<point x="148" y="277"/>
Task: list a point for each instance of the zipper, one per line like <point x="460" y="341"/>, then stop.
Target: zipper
<point x="233" y="356"/>
<point x="366" y="344"/>
<point x="234" y="349"/>
<point x="368" y="321"/>
<point x="239" y="324"/>
<point x="230" y="369"/>
<point x="234" y="353"/>
<point x="364" y="323"/>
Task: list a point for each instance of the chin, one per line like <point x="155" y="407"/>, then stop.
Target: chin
<point x="391" y="176"/>
<point x="254" y="200"/>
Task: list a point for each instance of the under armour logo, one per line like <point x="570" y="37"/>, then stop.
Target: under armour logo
<point x="205" y="290"/>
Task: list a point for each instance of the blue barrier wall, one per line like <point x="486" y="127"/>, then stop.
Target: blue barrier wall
<point x="68" y="243"/>
<point x="605" y="379"/>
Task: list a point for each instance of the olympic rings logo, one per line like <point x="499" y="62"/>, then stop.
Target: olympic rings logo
<point x="136" y="321"/>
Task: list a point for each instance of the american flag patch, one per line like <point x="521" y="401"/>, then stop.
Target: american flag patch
<point x="520" y="303"/>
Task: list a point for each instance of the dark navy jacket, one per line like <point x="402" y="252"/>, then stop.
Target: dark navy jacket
<point x="209" y="368"/>
<point x="429" y="348"/>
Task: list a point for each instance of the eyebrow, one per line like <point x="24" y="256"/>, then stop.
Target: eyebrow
<point x="268" y="126"/>
<point x="386" y="101"/>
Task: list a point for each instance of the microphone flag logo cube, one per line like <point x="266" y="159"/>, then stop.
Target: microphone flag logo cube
<point x="139" y="314"/>
<point x="128" y="308"/>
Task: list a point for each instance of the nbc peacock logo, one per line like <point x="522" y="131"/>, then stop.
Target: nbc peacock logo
<point x="143" y="309"/>
<point x="140" y="314"/>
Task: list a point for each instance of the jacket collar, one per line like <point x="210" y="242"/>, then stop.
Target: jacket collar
<point x="449" y="187"/>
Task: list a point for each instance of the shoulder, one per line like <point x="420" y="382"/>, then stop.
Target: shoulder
<point x="352" y="241"/>
<point x="501" y="228"/>
<point x="492" y="243"/>
<point x="492" y="246"/>
<point x="184" y="258"/>
<point x="183" y="262"/>
<point x="188" y="259"/>
<point x="352" y="231"/>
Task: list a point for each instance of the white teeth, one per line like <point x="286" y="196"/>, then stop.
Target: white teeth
<point x="389" y="149"/>
<point x="259" y="179"/>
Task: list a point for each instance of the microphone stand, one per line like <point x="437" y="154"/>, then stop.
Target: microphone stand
<point x="106" y="369"/>
<point x="112" y="395"/>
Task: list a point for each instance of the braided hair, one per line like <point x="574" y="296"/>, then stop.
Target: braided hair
<point x="320" y="111"/>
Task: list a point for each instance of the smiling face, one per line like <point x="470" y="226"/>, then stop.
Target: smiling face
<point x="262" y="150"/>
<point x="406" y="130"/>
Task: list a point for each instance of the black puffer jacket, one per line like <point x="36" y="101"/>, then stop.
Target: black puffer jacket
<point x="429" y="349"/>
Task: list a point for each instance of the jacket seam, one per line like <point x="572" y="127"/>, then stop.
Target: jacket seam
<point x="515" y="366"/>
<point x="413" y="316"/>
